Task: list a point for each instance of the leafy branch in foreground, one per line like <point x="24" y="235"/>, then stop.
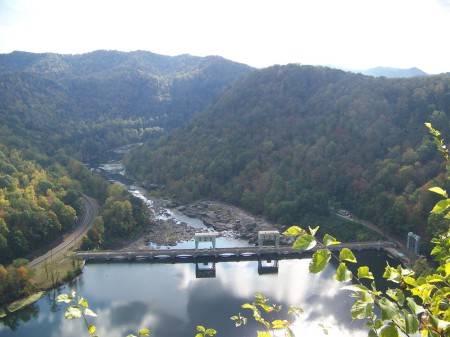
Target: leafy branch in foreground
<point x="203" y="332"/>
<point x="80" y="309"/>
<point x="443" y="205"/>
<point x="399" y="310"/>
<point x="413" y="304"/>
<point x="262" y="303"/>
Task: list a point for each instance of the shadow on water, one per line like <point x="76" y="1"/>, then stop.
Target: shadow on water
<point x="14" y="320"/>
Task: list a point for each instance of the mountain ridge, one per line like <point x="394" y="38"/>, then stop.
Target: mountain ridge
<point x="95" y="101"/>
<point x="100" y="61"/>
<point x="286" y="141"/>
<point x="394" y="72"/>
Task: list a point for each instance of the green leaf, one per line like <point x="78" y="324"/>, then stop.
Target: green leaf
<point x="347" y="255"/>
<point x="294" y="231"/>
<point x="439" y="190"/>
<point x="361" y="310"/>
<point x="447" y="269"/>
<point x="342" y="273"/>
<point x="201" y="328"/>
<point x="410" y="281"/>
<point x="411" y="324"/>
<point x="72" y="312"/>
<point x="437" y="323"/>
<point x="364" y="272"/>
<point x="313" y="231"/>
<point x="144" y="332"/>
<point x="296" y="311"/>
<point x="389" y="310"/>
<point x="304" y="242"/>
<point x="324" y="328"/>
<point x="375" y="292"/>
<point x="264" y="334"/>
<point x="278" y="324"/>
<point x="210" y="332"/>
<point x="372" y="333"/>
<point x="248" y="306"/>
<point x="91" y="329"/>
<point x="82" y="301"/>
<point x="416" y="309"/>
<point x="378" y="324"/>
<point x="435" y="278"/>
<point x="265" y="307"/>
<point x="89" y="312"/>
<point x="329" y="240"/>
<point x="436" y="250"/>
<point x="200" y="334"/>
<point x="240" y="320"/>
<point x="64" y="298"/>
<point x="2" y="313"/>
<point x="319" y="261"/>
<point x="397" y="295"/>
<point x="392" y="274"/>
<point x="434" y="321"/>
<point x="289" y="332"/>
<point x="389" y="331"/>
<point x="441" y="206"/>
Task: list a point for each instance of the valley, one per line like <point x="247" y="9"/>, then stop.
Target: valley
<point x="216" y="146"/>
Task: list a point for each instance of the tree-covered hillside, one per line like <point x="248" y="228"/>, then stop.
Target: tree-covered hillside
<point x="91" y="102"/>
<point x="36" y="205"/>
<point x="288" y="141"/>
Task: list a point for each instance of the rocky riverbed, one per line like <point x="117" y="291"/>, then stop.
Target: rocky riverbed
<point x="219" y="217"/>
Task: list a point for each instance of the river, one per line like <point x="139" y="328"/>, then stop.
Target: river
<point x="171" y="300"/>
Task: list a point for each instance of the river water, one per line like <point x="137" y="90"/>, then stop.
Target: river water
<point x="171" y="300"/>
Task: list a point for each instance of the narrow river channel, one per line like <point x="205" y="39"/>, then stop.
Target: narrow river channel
<point x="172" y="299"/>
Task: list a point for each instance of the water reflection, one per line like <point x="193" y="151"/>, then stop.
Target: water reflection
<point x="171" y="300"/>
<point x="22" y="316"/>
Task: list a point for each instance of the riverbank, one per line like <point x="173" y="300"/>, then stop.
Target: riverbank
<point x="227" y="220"/>
<point x="56" y="264"/>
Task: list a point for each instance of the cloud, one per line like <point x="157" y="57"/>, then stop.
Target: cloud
<point x="445" y="3"/>
<point x="10" y="12"/>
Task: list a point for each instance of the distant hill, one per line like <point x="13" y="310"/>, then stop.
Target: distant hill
<point x="288" y="141"/>
<point x="91" y="102"/>
<point x="394" y="72"/>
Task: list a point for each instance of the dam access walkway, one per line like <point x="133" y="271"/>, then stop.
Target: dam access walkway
<point x="221" y="254"/>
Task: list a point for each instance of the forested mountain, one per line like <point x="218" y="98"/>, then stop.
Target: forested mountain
<point x="394" y="72"/>
<point x="288" y="141"/>
<point x="91" y="102"/>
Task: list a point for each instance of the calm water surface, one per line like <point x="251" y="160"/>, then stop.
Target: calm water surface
<point x="171" y="301"/>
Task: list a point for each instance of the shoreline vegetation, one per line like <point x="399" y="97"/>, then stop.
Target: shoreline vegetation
<point x="50" y="275"/>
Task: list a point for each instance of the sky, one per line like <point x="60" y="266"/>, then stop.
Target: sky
<point x="349" y="34"/>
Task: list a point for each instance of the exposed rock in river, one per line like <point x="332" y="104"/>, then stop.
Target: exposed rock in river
<point x="225" y="219"/>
